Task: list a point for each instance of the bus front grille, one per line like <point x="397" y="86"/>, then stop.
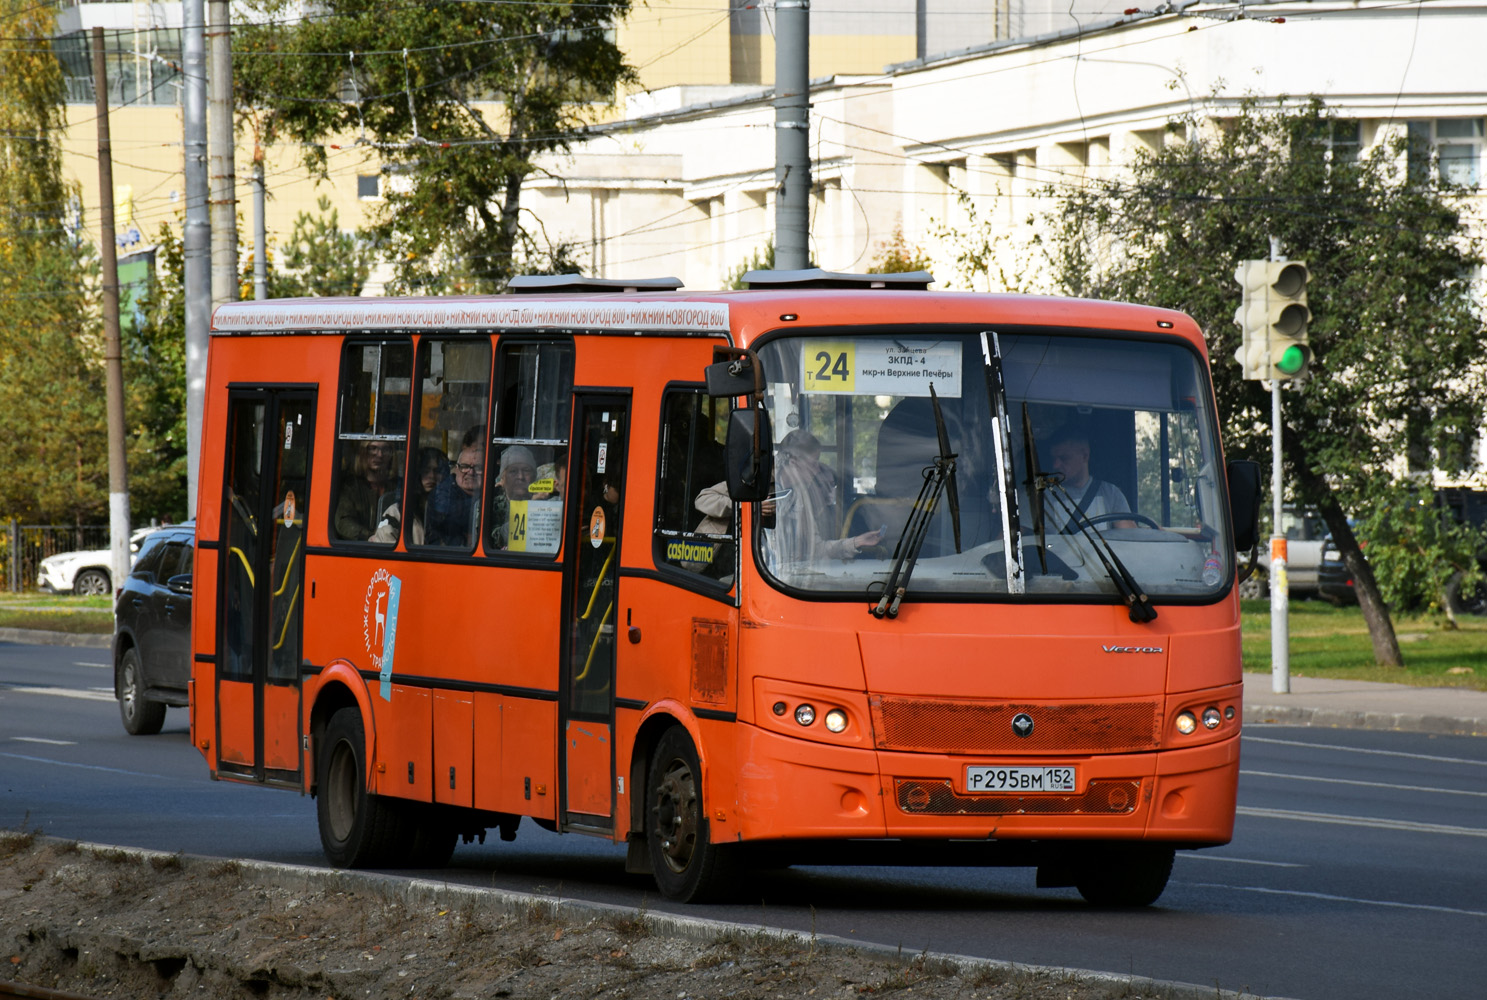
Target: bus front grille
<point x="987" y="727"/>
<point x="937" y="797"/>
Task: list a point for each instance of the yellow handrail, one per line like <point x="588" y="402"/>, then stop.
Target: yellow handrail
<point x="594" y="646"/>
<point x="603" y="572"/>
<point x="287" y="569"/>
<point x="246" y="568"/>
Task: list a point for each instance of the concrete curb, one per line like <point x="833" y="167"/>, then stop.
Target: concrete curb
<point x="425" y="892"/>
<point x="1335" y="718"/>
<point x="42" y="637"/>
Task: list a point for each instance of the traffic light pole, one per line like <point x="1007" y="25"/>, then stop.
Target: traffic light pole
<point x="1280" y="584"/>
<point x="1280" y="581"/>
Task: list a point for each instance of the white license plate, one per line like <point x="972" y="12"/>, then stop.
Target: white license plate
<point x="1021" y="779"/>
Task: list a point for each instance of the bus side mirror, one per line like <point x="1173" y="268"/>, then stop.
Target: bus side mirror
<point x="750" y="455"/>
<point x="734" y="377"/>
<point x="1244" y="498"/>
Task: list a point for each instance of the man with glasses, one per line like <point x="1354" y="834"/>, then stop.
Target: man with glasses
<point x="449" y="519"/>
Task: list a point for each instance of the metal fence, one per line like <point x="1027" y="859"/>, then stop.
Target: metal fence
<point x="24" y="546"/>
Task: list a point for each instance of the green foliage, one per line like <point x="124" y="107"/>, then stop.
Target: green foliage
<point x="319" y="259"/>
<point x="460" y="99"/>
<point x="52" y="431"/>
<point x="1419" y="551"/>
<point x="155" y="391"/>
<point x="896" y="256"/>
<point x="1396" y="332"/>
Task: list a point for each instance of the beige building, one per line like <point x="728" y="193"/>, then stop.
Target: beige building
<point x="683" y="185"/>
<point x="923" y="114"/>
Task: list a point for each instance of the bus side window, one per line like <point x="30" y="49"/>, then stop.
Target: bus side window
<point x="376" y="379"/>
<point x="529" y="447"/>
<point x="695" y="519"/>
<point x="453" y="399"/>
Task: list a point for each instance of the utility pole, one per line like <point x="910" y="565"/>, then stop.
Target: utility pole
<point x="118" y="471"/>
<point x="260" y="228"/>
<point x="222" y="165"/>
<point x="792" y="154"/>
<point x="197" y="238"/>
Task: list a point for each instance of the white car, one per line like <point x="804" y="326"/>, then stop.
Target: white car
<point x="1306" y="534"/>
<point x="88" y="573"/>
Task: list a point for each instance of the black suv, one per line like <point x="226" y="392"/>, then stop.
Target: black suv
<point x="152" y="630"/>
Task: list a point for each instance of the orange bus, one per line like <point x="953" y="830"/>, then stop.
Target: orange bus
<point x="831" y="569"/>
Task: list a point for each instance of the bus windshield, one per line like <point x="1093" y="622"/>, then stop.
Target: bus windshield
<point x="1091" y="459"/>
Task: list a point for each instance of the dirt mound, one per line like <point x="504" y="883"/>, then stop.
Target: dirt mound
<point x="114" y="923"/>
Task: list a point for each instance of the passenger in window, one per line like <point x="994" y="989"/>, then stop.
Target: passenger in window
<point x="1070" y="451"/>
<point x="433" y="469"/>
<point x="816" y="477"/>
<point x="370" y="486"/>
<point x="518" y="470"/>
<point x="717" y="519"/>
<point x="452" y="507"/>
<point x="806" y="523"/>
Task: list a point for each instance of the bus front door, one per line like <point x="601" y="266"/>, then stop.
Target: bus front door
<point x="265" y="502"/>
<point x="591" y="606"/>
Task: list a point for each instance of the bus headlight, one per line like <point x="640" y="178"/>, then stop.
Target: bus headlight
<point x="1186" y="723"/>
<point x="1211" y="718"/>
<point x="836" y="720"/>
<point x="805" y="714"/>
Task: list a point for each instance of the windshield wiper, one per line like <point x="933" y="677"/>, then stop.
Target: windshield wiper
<point x="1138" y="605"/>
<point x="1036" y="483"/>
<point x="906" y="553"/>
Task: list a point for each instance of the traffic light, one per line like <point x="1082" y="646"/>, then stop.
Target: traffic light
<point x="1272" y="316"/>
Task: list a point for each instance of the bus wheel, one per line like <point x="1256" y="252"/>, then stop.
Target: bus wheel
<point x="1131" y="876"/>
<point x="688" y="867"/>
<point x="357" y="829"/>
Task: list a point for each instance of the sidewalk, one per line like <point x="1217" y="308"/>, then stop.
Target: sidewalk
<point x="1315" y="701"/>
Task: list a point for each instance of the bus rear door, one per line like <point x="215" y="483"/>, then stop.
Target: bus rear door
<point x="591" y="606"/>
<point x="265" y="502"/>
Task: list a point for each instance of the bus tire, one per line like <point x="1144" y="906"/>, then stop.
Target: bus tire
<point x="1125" y="877"/>
<point x="357" y="829"/>
<point x="141" y="716"/>
<point x="688" y="866"/>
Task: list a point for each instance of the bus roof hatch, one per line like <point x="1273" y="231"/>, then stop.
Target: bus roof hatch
<point x="530" y="284"/>
<point x="814" y="277"/>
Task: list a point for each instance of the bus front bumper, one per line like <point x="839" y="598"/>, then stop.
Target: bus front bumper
<point x="798" y="789"/>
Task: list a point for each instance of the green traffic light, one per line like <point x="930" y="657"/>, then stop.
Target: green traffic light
<point x="1291" y="360"/>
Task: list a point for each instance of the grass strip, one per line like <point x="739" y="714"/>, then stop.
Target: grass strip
<point x="1326" y="641"/>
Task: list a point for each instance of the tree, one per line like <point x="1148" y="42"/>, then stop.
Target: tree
<point x="1396" y="332"/>
<point x="458" y="100"/>
<point x="52" y="430"/>
<point x="319" y="258"/>
<point x="896" y="256"/>
<point x="155" y="390"/>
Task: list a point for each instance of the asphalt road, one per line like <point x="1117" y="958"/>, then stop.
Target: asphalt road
<point x="1359" y="867"/>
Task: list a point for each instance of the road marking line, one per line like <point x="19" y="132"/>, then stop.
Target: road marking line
<point x="1365" y="784"/>
<point x="1369" y="821"/>
<point x="80" y="663"/>
<point x="1200" y="856"/>
<point x="87" y="767"/>
<point x="92" y="694"/>
<point x="1382" y="753"/>
<point x="39" y="739"/>
<point x="1339" y="899"/>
